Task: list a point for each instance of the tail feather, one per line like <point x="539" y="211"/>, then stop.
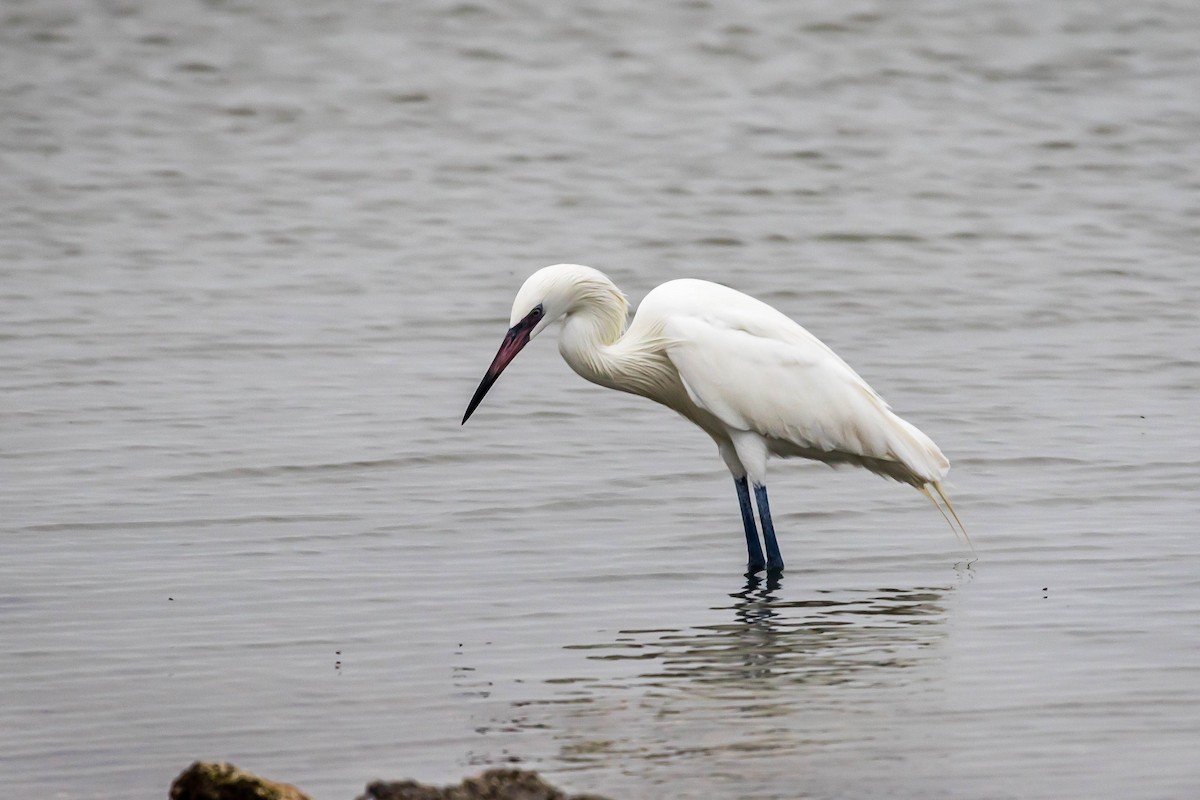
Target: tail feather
<point x="937" y="486"/>
<point x="924" y="489"/>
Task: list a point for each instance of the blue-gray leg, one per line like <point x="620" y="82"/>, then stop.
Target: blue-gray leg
<point x="753" y="549"/>
<point x="774" y="557"/>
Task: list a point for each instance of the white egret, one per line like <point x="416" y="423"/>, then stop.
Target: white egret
<point x="755" y="381"/>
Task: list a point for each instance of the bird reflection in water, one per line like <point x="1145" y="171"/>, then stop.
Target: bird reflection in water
<point x="776" y="676"/>
<point x="829" y="637"/>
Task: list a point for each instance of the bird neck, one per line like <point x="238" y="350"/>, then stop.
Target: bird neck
<point x="595" y="343"/>
<point x="588" y="335"/>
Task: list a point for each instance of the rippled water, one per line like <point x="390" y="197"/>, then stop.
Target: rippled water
<point x="256" y="255"/>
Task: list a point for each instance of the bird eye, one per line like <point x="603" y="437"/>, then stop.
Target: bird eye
<point x="537" y="311"/>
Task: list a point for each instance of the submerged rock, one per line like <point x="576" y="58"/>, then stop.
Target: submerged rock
<point x="495" y="784"/>
<point x="206" y="780"/>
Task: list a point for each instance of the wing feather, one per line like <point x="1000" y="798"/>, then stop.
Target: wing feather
<point x="756" y="370"/>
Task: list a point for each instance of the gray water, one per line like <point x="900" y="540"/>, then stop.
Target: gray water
<point x="255" y="257"/>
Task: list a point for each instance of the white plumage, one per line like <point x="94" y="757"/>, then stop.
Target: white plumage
<point x="758" y="383"/>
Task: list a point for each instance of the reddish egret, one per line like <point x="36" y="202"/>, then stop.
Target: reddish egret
<point x="755" y="381"/>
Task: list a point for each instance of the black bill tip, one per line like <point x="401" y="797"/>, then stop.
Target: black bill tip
<point x="516" y="338"/>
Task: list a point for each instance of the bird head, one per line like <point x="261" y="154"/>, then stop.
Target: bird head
<point x="546" y="296"/>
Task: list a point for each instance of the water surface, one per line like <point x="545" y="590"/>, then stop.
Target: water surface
<point x="256" y="256"/>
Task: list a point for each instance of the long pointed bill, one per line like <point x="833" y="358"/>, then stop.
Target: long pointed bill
<point x="516" y="338"/>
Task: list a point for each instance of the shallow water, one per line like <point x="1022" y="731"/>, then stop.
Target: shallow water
<point x="256" y="257"/>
